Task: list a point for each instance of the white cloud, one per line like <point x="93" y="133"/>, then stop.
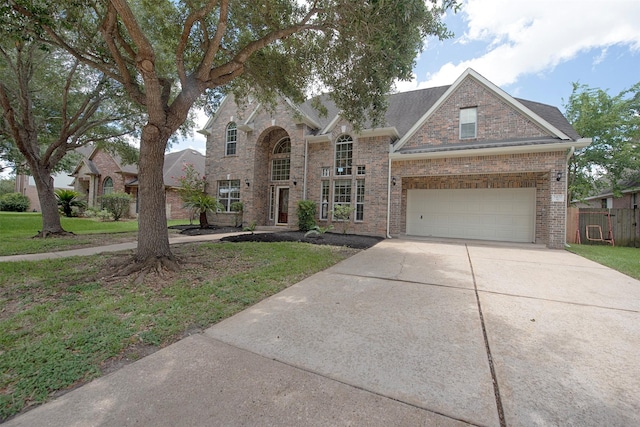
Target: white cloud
<point x="529" y="37"/>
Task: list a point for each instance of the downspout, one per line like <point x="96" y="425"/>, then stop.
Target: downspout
<point x="389" y="199"/>
<point x="566" y="191"/>
<point x="306" y="161"/>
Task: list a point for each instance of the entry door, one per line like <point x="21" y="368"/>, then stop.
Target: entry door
<point x="283" y="205"/>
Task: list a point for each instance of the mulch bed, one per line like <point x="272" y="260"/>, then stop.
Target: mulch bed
<point x="334" y="239"/>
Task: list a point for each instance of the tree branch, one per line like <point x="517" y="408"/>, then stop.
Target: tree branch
<point x="195" y="16"/>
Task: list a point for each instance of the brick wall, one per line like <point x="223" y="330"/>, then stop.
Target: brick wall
<point x="506" y="171"/>
<point x="496" y="119"/>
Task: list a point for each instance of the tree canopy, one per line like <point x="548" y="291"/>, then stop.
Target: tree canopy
<point x="167" y="53"/>
<point x="613" y="122"/>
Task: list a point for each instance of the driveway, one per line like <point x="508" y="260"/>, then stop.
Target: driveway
<point x="409" y="332"/>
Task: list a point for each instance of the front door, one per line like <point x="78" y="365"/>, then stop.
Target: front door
<point x="283" y="205"/>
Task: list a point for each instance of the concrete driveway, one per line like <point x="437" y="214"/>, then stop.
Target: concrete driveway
<point x="409" y="332"/>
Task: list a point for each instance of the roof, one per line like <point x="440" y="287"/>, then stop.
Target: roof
<point x="629" y="185"/>
<point x="175" y="162"/>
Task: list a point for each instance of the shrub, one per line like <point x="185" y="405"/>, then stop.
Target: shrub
<point x="67" y="200"/>
<point x="117" y="204"/>
<point x="237" y="208"/>
<point x="306" y="215"/>
<point x="343" y="213"/>
<point x="202" y="203"/>
<point x="14" y="202"/>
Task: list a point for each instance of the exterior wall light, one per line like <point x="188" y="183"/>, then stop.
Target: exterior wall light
<point x="393" y="180"/>
<point x="558" y="176"/>
<point x="246" y="181"/>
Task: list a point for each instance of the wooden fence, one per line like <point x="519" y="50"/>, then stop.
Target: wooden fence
<point x="625" y="226"/>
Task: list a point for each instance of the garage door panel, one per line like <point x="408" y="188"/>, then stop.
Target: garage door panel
<point x="487" y="214"/>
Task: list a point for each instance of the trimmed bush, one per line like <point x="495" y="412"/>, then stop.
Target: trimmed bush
<point x="14" y="202"/>
<point x="306" y="215"/>
<point x="117" y="204"/>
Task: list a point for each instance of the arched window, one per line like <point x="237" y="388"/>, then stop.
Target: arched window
<point x="281" y="162"/>
<point x="344" y="155"/>
<point x="231" y="139"/>
<point x="107" y="186"/>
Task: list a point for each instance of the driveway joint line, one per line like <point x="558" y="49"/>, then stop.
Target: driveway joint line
<point x="310" y="371"/>
<point x="393" y="279"/>
<point x="627" y="310"/>
<point x="496" y="388"/>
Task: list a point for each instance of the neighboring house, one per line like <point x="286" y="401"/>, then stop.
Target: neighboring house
<point x="461" y="161"/>
<point x="629" y="199"/>
<point x="26" y="185"/>
<point x="102" y="173"/>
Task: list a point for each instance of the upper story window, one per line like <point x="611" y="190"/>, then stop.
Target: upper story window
<point x="281" y="162"/>
<point x="468" y="123"/>
<point x="107" y="186"/>
<point x="231" y="139"/>
<point x="344" y="155"/>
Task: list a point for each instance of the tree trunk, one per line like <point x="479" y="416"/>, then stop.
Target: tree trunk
<point x="204" y="222"/>
<point x="48" y="202"/>
<point x="153" y="235"/>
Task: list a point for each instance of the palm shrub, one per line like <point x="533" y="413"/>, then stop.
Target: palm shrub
<point x="117" y="204"/>
<point x="14" y="202"/>
<point x="237" y="208"/>
<point x="67" y="200"/>
<point x="202" y="204"/>
<point x="306" y="215"/>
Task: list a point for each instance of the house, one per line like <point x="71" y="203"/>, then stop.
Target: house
<point x="629" y="198"/>
<point x="101" y="173"/>
<point x="461" y="161"/>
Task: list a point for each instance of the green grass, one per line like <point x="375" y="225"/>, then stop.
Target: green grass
<point x="623" y="259"/>
<point x="17" y="229"/>
<point x="61" y="324"/>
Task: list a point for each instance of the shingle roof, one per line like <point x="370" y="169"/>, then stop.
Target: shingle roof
<point x="174" y="162"/>
<point x="552" y="115"/>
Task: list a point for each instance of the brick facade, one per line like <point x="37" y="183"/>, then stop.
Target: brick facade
<point x="376" y="152"/>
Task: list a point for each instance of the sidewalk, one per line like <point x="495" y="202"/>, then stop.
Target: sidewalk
<point x="93" y="250"/>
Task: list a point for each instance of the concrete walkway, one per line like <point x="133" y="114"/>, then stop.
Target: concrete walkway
<point x="406" y="333"/>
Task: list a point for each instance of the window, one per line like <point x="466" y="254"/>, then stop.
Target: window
<point x="634" y="201"/>
<point x="281" y="163"/>
<point x="228" y="192"/>
<point x="342" y="192"/>
<point x="360" y="200"/>
<point x="468" y="123"/>
<point x="324" y="200"/>
<point x="361" y="170"/>
<point x="326" y="172"/>
<point x="232" y="140"/>
<point x="344" y="155"/>
<point x="272" y="202"/>
<point x="107" y="186"/>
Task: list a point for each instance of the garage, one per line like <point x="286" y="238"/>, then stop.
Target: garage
<point x="501" y="214"/>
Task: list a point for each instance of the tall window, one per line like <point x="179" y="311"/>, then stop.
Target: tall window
<point x="228" y="192"/>
<point x="324" y="200"/>
<point x="468" y="123"/>
<point x="107" y="186"/>
<point x="342" y="193"/>
<point x="281" y="163"/>
<point x="360" y="200"/>
<point x="344" y="155"/>
<point x="232" y="140"/>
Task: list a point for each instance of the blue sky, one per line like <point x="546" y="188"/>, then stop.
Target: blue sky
<point x="533" y="49"/>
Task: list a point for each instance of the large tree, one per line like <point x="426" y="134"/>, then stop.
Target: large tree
<point x="168" y="53"/>
<point x="51" y="105"/>
<point x="613" y="122"/>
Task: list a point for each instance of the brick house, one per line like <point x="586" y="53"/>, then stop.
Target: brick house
<point x="460" y="161"/>
<point x="102" y="172"/>
<point x="628" y="199"/>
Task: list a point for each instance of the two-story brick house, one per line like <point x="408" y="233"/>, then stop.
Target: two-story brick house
<point x="461" y="161"/>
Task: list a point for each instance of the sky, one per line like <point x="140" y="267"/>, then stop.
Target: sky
<point x="532" y="49"/>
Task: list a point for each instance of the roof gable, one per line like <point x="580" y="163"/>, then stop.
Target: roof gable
<point x="517" y="105"/>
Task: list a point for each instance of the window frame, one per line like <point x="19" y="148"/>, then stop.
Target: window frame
<point x="108" y="179"/>
<point x="225" y="198"/>
<point x="465" y="121"/>
<point x="281" y="160"/>
<point x="325" y="195"/>
<point x="343" y="155"/>
<point x="231" y="140"/>
<point x="346" y="195"/>
<point x="359" y="199"/>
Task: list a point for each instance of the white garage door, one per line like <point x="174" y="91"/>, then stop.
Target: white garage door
<point x="505" y="214"/>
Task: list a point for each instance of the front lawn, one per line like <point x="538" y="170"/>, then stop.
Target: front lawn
<point x="64" y="322"/>
<point x="17" y="230"/>
<point x="623" y="259"/>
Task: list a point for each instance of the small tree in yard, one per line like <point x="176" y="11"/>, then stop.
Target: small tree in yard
<point x="67" y="200"/>
<point x="117" y="204"/>
<point x="343" y="213"/>
<point x="203" y="204"/>
<point x="14" y="202"/>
